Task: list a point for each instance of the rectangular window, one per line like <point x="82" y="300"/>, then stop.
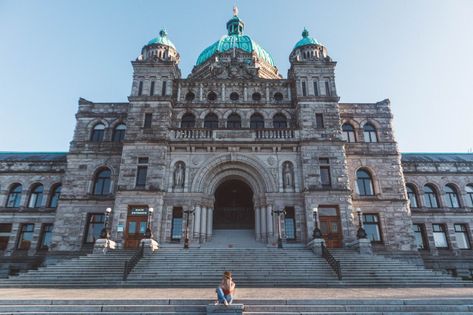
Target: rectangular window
<point x="440" y="236"/>
<point x="461" y="235"/>
<point x="5" y="230"/>
<point x="95" y="224"/>
<point x="148" y="119"/>
<point x="290" y="224"/>
<point x="140" y="88"/>
<point x="327" y="88"/>
<point x="26" y="236"/>
<point x="316" y="88"/>
<point x="325" y="177"/>
<point x="319" y="121"/>
<point x="45" y="237"/>
<point x="421" y="239"/>
<point x="304" y="89"/>
<point x="176" y="229"/>
<point x="372" y="227"/>
<point x="163" y="92"/>
<point x="143" y="160"/>
<point x="141" y="173"/>
<point x="151" y="89"/>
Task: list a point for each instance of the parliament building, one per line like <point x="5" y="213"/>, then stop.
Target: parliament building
<point x="236" y="146"/>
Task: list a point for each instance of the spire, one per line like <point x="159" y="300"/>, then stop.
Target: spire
<point x="163" y="33"/>
<point x="305" y="33"/>
<point x="235" y="10"/>
<point x="235" y="25"/>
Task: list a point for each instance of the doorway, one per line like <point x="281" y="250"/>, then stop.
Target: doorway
<point x="329" y="217"/>
<point x="135" y="226"/>
<point x="234" y="206"/>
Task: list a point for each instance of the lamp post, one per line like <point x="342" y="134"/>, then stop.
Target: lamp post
<point x="186" y="237"/>
<point x="317" y="232"/>
<point x="148" y="233"/>
<point x="278" y="213"/>
<point x="361" y="233"/>
<point x="105" y="233"/>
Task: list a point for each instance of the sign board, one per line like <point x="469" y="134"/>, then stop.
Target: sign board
<point x="139" y="211"/>
<point x="120" y="227"/>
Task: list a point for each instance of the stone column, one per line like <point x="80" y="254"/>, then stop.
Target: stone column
<point x="209" y="223"/>
<point x="203" y="224"/>
<point x="197" y="222"/>
<point x="257" y="223"/>
<point x="269" y="224"/>
<point x="262" y="215"/>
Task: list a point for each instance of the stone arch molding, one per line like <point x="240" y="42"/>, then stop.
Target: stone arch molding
<point x="249" y="169"/>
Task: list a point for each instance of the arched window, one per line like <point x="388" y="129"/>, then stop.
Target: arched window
<point x="211" y="121"/>
<point x="55" y="195"/>
<point x="278" y="96"/>
<point x="14" y="196"/>
<point x="469" y="195"/>
<point x="119" y="133"/>
<point x="412" y="196"/>
<point x="102" y="182"/>
<point x="256" y="121"/>
<point x="36" y="196"/>
<point x="348" y="133"/>
<point x="451" y="197"/>
<point x="190" y="96"/>
<point x="234" y="121"/>
<point x="364" y="183"/>
<point x="97" y="133"/>
<point x="279" y="121"/>
<point x="369" y="132"/>
<point x="430" y="197"/>
<point x="188" y="120"/>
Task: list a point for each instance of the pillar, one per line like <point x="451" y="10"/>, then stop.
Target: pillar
<point x="197" y="222"/>
<point x="262" y="214"/>
<point x="209" y="223"/>
<point x="203" y="224"/>
<point x="269" y="224"/>
<point x="257" y="223"/>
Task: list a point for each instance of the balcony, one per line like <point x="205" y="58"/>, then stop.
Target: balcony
<point x="179" y="134"/>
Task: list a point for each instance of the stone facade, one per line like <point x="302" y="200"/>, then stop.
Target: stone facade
<point x="236" y="118"/>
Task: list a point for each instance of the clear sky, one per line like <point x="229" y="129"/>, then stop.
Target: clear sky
<point x="419" y="54"/>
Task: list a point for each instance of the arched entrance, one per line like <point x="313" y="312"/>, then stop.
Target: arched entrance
<point x="234" y="206"/>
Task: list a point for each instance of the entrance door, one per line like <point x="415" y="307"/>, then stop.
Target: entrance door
<point x="330" y="226"/>
<point x="135" y="226"/>
<point x="234" y="206"/>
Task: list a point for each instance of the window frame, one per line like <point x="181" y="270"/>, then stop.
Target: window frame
<point x="21" y="236"/>
<point x="119" y="134"/>
<point x="88" y="223"/>
<point x="233" y="122"/>
<point x="55" y="196"/>
<point x="364" y="180"/>
<point x="5" y="234"/>
<point x="469" y="195"/>
<point x="141" y="176"/>
<point x="280" y="121"/>
<point x="423" y="236"/>
<point x="433" y="192"/>
<point x="173" y="225"/>
<point x="290" y="219"/>
<point x="319" y="121"/>
<point x="465" y="233"/>
<point x="36" y="197"/>
<point x="98" y="134"/>
<point x="14" y="195"/>
<point x="376" y="223"/>
<point x="42" y="236"/>
<point x="103" y="180"/>
<point x="188" y="121"/>
<point x="452" y="199"/>
<point x="256" y="121"/>
<point x="443" y="230"/>
<point x="348" y="134"/>
<point x="211" y="124"/>
<point x="412" y="195"/>
<point x="370" y="135"/>
<point x="148" y="121"/>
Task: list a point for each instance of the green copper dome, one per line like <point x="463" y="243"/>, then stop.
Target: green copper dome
<point x="306" y="40"/>
<point x="162" y="39"/>
<point x="235" y="40"/>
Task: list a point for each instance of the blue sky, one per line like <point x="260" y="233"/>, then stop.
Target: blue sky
<point x="416" y="53"/>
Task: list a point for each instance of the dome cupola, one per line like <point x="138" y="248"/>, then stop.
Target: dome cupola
<point x="159" y="48"/>
<point x="308" y="49"/>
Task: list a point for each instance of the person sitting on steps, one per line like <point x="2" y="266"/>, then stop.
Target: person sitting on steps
<point x="226" y="290"/>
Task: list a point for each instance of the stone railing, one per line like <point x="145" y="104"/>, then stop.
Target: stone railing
<point x="234" y="134"/>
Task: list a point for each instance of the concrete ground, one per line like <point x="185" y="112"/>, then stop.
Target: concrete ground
<point x="242" y="293"/>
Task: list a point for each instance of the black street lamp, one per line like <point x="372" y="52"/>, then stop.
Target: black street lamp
<point x="186" y="238"/>
<point x="317" y="232"/>
<point x="278" y="213"/>
<point x="361" y="233"/>
<point x="105" y="233"/>
<point x="148" y="233"/>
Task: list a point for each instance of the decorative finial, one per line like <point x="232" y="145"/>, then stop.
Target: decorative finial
<point x="305" y="33"/>
<point x="235" y="10"/>
<point x="163" y="33"/>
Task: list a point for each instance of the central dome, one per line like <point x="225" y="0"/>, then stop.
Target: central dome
<point x="235" y="40"/>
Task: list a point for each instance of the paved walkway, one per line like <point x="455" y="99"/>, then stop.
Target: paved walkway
<point x="242" y="293"/>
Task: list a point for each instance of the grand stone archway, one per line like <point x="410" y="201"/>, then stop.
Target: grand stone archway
<point x="233" y="207"/>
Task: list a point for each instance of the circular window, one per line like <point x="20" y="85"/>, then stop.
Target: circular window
<point x="234" y="96"/>
<point x="278" y="96"/>
<point x="256" y="96"/>
<point x="190" y="96"/>
<point x="212" y="96"/>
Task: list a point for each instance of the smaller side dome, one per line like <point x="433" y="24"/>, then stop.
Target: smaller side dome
<point x="159" y="49"/>
<point x="306" y="40"/>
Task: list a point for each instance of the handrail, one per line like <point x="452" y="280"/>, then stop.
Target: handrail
<point x="131" y="263"/>
<point x="335" y="264"/>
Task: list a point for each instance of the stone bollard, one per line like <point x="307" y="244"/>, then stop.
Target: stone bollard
<point x="150" y="246"/>
<point x="103" y="245"/>
<point x="363" y="245"/>
<point x="220" y="309"/>
<point x="316" y="246"/>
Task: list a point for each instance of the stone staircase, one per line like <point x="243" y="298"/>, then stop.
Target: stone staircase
<point x="252" y="306"/>
<point x="92" y="270"/>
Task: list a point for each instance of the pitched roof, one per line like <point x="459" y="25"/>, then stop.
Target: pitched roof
<point x="33" y="156"/>
<point x="437" y="157"/>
